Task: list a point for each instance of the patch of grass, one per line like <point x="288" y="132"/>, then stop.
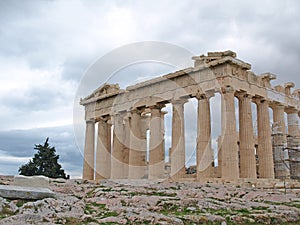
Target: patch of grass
<point x="90" y="220"/>
<point x="100" y="206"/>
<point x="290" y="204"/>
<point x="175" y="188"/>
<point x="177" y="210"/>
<point x="108" y="214"/>
<point x="2" y="216"/>
<point x="89" y="209"/>
<point x="72" y="221"/>
<point x="90" y="193"/>
<point x="21" y="202"/>
<point x="6" y="212"/>
<point x="106" y="189"/>
<point x="93" y="207"/>
<point x="169" y="208"/>
<point x="243" y="211"/>
<point x="162" y="194"/>
<point x="220" y="212"/>
<point x="109" y="223"/>
<point x="145" y="222"/>
<point x="123" y="203"/>
<point x="259" y="207"/>
<point x="122" y="189"/>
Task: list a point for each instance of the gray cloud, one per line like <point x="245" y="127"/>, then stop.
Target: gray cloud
<point x="61" y="39"/>
<point x="20" y="143"/>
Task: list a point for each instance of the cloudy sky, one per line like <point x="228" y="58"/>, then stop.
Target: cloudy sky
<point x="47" y="45"/>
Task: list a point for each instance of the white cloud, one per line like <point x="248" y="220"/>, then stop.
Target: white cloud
<point x="4" y="157"/>
<point x="10" y="164"/>
<point x="34" y="97"/>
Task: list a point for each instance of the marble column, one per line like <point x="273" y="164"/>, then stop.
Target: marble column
<point x="126" y="144"/>
<point x="137" y="152"/>
<point x="294" y="142"/>
<point x="89" y="151"/>
<point x="156" y="149"/>
<point x="246" y="137"/>
<point x="230" y="163"/>
<point x="281" y="158"/>
<point x="177" y="154"/>
<point x="264" y="149"/>
<point x="118" y="155"/>
<point x="205" y="154"/>
<point x="103" y="152"/>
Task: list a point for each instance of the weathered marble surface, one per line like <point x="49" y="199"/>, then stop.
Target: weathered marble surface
<point x="18" y="192"/>
<point x="31" y="181"/>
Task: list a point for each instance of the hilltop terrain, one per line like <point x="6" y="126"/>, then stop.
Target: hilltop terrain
<point x="153" y="202"/>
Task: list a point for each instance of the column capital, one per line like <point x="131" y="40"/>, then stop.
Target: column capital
<point x="90" y="121"/>
<point x="291" y="110"/>
<point x="260" y="100"/>
<point x="227" y="90"/>
<point x="243" y="94"/>
<point x="104" y="119"/>
<point x="135" y="110"/>
<point x="157" y="106"/>
<point x="204" y="95"/>
<point x="274" y="105"/>
<point x="180" y="101"/>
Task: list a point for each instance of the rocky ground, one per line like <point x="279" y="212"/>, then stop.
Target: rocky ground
<point x="145" y="202"/>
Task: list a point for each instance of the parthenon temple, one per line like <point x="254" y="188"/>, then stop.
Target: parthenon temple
<point x="130" y="139"/>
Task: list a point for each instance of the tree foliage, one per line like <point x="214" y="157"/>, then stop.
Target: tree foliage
<point x="44" y="162"/>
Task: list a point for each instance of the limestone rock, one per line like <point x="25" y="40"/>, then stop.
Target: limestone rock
<point x="31" y="181"/>
<point x="18" y="192"/>
<point x="130" y="202"/>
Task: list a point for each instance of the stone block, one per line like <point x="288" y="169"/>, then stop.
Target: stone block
<point x="31" y="193"/>
<point x="31" y="181"/>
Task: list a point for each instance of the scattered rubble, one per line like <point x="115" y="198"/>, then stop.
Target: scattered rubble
<point x="150" y="202"/>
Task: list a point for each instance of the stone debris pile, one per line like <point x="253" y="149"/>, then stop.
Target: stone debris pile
<point x="153" y="202"/>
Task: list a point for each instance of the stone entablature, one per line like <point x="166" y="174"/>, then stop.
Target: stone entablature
<point x="210" y="77"/>
<point x="218" y="72"/>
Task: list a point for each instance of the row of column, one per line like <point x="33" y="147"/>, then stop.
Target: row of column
<point x="236" y="156"/>
<point x="125" y="156"/>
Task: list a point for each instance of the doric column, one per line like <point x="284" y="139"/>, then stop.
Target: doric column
<point x="118" y="154"/>
<point x="264" y="149"/>
<point x="205" y="154"/>
<point x="156" y="149"/>
<point x="177" y="154"/>
<point x="103" y="152"/>
<point x="293" y="142"/>
<point x="126" y="144"/>
<point x="137" y="152"/>
<point x="281" y="158"/>
<point x="246" y="137"/>
<point x="89" y="150"/>
<point x="230" y="166"/>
